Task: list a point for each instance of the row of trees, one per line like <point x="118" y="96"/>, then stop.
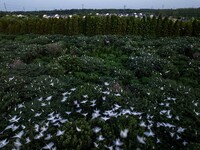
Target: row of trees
<point x="182" y="12"/>
<point x="100" y="25"/>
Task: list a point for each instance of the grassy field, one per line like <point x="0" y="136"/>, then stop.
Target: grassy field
<point x="100" y="92"/>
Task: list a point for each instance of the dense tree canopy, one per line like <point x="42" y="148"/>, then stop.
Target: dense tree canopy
<point x="101" y="25"/>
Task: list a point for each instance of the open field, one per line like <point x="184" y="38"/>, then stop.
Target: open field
<point x="99" y="92"/>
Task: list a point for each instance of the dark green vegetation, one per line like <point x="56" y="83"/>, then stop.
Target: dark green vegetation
<point x="101" y="25"/>
<point x="77" y="92"/>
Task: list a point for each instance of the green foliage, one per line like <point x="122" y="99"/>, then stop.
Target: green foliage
<point x="91" y="25"/>
<point x="73" y="139"/>
<point x="112" y="83"/>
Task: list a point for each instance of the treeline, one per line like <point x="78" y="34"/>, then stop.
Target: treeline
<point x="100" y="25"/>
<point x="181" y="12"/>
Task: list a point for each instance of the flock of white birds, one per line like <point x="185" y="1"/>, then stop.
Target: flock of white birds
<point x="40" y="121"/>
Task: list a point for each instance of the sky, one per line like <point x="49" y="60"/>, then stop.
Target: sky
<point x="29" y="5"/>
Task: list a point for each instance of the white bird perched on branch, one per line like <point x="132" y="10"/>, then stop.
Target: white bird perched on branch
<point x="59" y="133"/>
<point x="124" y="133"/>
<point x="12" y="126"/>
<point x="142" y="124"/>
<point x="38" y="136"/>
<point x="96" y="129"/>
<point x="150" y="133"/>
<point x="64" y="99"/>
<point x="117" y="142"/>
<point x="68" y="112"/>
<point x="49" y="98"/>
<point x="28" y="140"/>
<point x="3" y="143"/>
<point x="78" y="129"/>
<point x="83" y="102"/>
<point x="109" y="147"/>
<point x="95" y="114"/>
<point x="48" y="137"/>
<point x="14" y="119"/>
<point x="17" y="143"/>
<point x="141" y="140"/>
<point x="19" y="135"/>
<point x="105" y="118"/>
<point x="100" y="138"/>
<point x="48" y="146"/>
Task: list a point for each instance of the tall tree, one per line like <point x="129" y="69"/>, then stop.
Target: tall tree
<point x="153" y="26"/>
<point x="115" y="28"/>
<point x="170" y="28"/>
<point x="129" y="27"/>
<point x="164" y="31"/>
<point x="188" y="28"/>
<point x="1" y="27"/>
<point x="176" y="28"/>
<point x="159" y="26"/>
<point x="108" y="25"/>
<point x="196" y="28"/>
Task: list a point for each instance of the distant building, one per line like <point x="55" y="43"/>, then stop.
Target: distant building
<point x="45" y="16"/>
<point x="57" y="16"/>
<point x="20" y="16"/>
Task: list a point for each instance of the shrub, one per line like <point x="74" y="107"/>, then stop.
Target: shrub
<point x="55" y="49"/>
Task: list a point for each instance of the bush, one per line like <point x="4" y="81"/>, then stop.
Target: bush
<point x="55" y="49"/>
